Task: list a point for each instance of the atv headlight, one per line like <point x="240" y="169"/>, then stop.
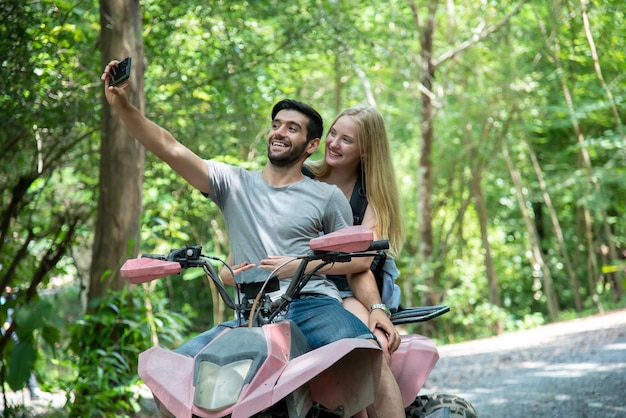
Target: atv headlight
<point x="219" y="386"/>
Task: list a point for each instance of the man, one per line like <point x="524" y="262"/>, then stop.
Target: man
<point x="276" y="211"/>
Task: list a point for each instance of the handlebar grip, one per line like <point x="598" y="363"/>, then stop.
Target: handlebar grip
<point x="154" y="256"/>
<point x="381" y="244"/>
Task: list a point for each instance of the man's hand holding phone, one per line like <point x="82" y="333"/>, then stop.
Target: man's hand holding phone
<point x="120" y="72"/>
<point x="115" y="76"/>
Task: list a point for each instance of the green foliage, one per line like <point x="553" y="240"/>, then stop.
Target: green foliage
<point x="35" y="326"/>
<point x="46" y="138"/>
<point x="17" y="411"/>
<point x="106" y="345"/>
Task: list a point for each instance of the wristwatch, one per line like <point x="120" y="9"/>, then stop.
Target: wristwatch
<point x="381" y="306"/>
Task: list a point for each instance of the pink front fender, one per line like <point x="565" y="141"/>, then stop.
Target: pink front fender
<point x="170" y="378"/>
<point x="344" y="373"/>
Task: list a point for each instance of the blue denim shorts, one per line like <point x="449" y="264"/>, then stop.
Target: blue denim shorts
<point x="324" y="320"/>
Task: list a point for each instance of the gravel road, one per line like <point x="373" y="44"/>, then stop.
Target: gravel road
<point x="568" y="369"/>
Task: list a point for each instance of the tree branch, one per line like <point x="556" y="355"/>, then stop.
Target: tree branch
<point x="477" y="37"/>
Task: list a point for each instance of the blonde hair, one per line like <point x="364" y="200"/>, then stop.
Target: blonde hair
<point x="378" y="173"/>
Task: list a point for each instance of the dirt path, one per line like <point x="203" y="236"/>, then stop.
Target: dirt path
<point x="47" y="404"/>
<point x="569" y="369"/>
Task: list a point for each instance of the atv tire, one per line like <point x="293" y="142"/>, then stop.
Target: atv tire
<point x="426" y="405"/>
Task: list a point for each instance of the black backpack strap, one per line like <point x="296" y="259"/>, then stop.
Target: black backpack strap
<point x="307" y="172"/>
<point x="358" y="199"/>
<point x="377" y="267"/>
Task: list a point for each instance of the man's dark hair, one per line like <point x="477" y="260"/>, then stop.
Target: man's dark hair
<point x="315" y="127"/>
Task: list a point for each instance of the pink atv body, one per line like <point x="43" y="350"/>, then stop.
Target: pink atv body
<point x="268" y="370"/>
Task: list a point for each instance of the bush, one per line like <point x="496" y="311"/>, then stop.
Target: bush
<point x="107" y="342"/>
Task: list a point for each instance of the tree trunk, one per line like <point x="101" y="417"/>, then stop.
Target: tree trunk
<point x="558" y="232"/>
<point x="537" y="258"/>
<point x="481" y="211"/>
<point x="424" y="209"/>
<point x="220" y="241"/>
<point x="121" y="156"/>
<point x="598" y="68"/>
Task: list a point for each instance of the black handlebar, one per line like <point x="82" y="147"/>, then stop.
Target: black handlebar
<point x="379" y="245"/>
<point x="187" y="257"/>
<point x="343" y="257"/>
<point x="191" y="256"/>
<point x="155" y="256"/>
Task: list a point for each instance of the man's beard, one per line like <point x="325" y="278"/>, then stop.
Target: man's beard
<point x="285" y="160"/>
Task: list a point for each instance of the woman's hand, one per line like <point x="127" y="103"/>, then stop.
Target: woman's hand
<point x="226" y="275"/>
<point x="379" y="319"/>
<point x="274" y="261"/>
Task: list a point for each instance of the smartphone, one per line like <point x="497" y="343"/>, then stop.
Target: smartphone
<point x="120" y="73"/>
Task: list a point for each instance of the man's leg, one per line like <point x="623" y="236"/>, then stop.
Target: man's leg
<point x="388" y="402"/>
<point x="388" y="397"/>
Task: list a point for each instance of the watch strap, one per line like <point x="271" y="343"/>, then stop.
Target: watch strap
<point x="382" y="307"/>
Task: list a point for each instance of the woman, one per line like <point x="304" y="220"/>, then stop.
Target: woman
<point x="358" y="156"/>
<point x="357" y="143"/>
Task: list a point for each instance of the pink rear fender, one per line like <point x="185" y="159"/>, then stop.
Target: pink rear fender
<point x="412" y="363"/>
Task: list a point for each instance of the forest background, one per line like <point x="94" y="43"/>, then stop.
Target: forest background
<point x="505" y="119"/>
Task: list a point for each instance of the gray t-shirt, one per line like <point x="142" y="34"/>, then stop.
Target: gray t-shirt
<point x="262" y="220"/>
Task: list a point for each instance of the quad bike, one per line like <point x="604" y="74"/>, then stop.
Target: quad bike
<point x="264" y="368"/>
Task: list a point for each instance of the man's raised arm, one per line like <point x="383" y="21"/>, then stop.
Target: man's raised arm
<point x="155" y="138"/>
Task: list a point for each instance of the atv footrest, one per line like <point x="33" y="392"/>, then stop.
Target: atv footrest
<point x="419" y="314"/>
